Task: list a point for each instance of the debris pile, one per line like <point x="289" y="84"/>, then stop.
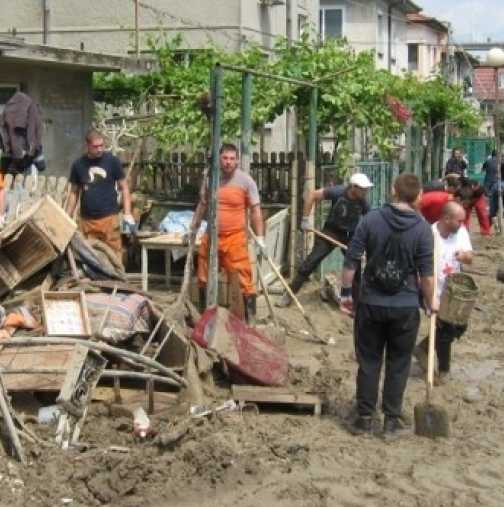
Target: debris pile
<point x="74" y="330"/>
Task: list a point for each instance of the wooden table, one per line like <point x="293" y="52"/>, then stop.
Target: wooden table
<point x="164" y="242"/>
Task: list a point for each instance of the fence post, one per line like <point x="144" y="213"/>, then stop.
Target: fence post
<point x="309" y="181"/>
<point x="246" y="121"/>
<point x="213" y="261"/>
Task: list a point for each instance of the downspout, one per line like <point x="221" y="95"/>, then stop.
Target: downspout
<point x="46" y="19"/>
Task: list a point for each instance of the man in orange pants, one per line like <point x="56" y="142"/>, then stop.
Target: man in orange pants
<point x="237" y="193"/>
<point x="95" y="177"/>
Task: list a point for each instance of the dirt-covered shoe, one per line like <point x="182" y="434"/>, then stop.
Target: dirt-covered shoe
<point x="393" y="427"/>
<point x="361" y="425"/>
<point x="442" y="378"/>
<point x="285" y="301"/>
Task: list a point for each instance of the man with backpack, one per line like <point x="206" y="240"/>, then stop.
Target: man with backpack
<point x="398" y="245"/>
<point x="349" y="204"/>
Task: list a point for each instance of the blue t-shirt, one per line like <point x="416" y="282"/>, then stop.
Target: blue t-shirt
<point x="97" y="178"/>
<point x="345" y="212"/>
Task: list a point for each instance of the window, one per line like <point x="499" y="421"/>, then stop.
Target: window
<point x="501" y="80"/>
<point x="412" y="57"/>
<point x="331" y="22"/>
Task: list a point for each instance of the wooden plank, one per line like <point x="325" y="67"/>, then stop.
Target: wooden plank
<point x="52" y="220"/>
<point x="56" y="357"/>
<point x="276" y="243"/>
<point x="235" y="297"/>
<point x="280" y="395"/>
<point x="7" y="415"/>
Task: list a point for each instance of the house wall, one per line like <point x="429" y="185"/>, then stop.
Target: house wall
<point x="432" y="44"/>
<point x="109" y="26"/>
<point x="66" y="104"/>
<point x="361" y="29"/>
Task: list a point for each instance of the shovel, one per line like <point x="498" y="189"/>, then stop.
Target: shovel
<point x="291" y="294"/>
<point x="431" y="420"/>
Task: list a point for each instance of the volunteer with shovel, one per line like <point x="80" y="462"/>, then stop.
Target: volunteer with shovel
<point x="453" y="250"/>
<point x="349" y="204"/>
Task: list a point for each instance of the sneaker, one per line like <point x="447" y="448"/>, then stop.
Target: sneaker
<point x="361" y="425"/>
<point x="393" y="427"/>
<point x="285" y="301"/>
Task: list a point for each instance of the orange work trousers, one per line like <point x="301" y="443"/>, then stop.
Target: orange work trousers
<point x="233" y="256"/>
<point x="105" y="229"/>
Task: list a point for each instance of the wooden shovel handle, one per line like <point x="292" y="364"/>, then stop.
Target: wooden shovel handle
<point x="328" y="238"/>
<point x="432" y="325"/>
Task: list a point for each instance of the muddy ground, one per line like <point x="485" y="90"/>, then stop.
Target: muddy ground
<point x="274" y="457"/>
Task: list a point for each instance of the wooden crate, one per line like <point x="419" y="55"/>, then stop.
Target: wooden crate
<point x="35" y="367"/>
<point x="65" y="314"/>
<point x="33" y="241"/>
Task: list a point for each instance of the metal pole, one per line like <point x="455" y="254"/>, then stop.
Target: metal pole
<point x="498" y="149"/>
<point x="137" y="30"/>
<point x="309" y="182"/>
<point x="274" y="77"/>
<point x="213" y="261"/>
<point x="246" y="121"/>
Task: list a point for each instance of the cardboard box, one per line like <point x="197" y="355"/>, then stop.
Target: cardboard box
<point x="31" y="242"/>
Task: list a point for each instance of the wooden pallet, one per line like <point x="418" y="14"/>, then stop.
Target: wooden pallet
<point x="276" y="395"/>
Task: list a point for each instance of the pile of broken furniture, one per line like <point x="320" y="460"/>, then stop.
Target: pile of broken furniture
<point x="70" y="321"/>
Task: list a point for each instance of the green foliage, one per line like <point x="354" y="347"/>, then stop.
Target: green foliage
<point x="434" y="102"/>
<point x="352" y="93"/>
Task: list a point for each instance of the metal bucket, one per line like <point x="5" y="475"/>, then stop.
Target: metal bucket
<point x="458" y="299"/>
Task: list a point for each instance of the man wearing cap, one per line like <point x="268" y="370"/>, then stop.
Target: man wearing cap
<point x="349" y="204"/>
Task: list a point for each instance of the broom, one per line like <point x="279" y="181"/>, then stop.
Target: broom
<point x="431" y="420"/>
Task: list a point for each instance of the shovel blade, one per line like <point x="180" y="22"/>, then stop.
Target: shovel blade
<point x="431" y="421"/>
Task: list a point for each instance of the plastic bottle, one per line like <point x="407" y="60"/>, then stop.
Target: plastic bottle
<point x="141" y="423"/>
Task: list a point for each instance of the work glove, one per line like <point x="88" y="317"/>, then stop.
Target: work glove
<point x="305" y="224"/>
<point x="128" y="224"/>
<point x="261" y="247"/>
<point x="346" y="300"/>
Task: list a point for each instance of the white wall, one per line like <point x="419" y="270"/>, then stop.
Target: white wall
<point x="431" y="45"/>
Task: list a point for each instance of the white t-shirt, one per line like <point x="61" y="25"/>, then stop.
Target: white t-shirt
<point x="447" y="248"/>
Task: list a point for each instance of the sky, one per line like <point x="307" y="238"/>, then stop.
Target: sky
<point x="472" y="20"/>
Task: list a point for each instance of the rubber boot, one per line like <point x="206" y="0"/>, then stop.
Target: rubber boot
<point x="443" y="350"/>
<point x="202" y="299"/>
<point x="250" y="303"/>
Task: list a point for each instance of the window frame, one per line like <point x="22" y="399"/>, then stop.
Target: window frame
<point x="322" y="11"/>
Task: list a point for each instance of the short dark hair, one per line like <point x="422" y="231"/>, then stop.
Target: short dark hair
<point x="228" y="147"/>
<point x="93" y="133"/>
<point x="407" y="187"/>
<point x="457" y="148"/>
